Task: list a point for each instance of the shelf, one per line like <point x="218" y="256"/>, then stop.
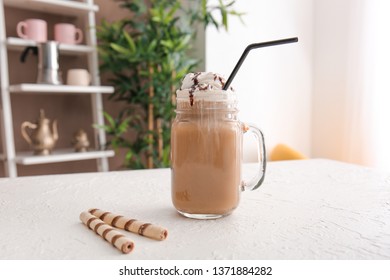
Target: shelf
<point x="41" y="88"/>
<point x="80" y="10"/>
<point x="27" y="158"/>
<point x="20" y="44"/>
<point x="61" y="7"/>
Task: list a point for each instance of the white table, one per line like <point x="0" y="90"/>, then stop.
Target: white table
<point x="314" y="209"/>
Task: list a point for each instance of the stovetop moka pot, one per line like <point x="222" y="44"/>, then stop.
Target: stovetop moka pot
<point x="48" y="62"/>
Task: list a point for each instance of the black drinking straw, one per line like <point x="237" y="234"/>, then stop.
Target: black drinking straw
<point x="255" y="46"/>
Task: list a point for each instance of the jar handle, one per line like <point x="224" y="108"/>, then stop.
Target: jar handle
<point x="258" y="179"/>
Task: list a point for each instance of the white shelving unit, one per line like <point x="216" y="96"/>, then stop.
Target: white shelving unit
<point x="86" y="10"/>
<point x="59" y="89"/>
<point x="60" y="155"/>
<point x="54" y="6"/>
<point x="19" y="44"/>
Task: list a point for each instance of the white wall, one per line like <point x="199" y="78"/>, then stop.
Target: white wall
<point x="351" y="81"/>
<point x="331" y="21"/>
<point x="274" y="84"/>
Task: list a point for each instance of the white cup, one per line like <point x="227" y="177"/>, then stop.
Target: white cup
<point x="67" y="33"/>
<point x="78" y="77"/>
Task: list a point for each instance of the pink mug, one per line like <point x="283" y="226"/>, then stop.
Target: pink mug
<point x="32" y="29"/>
<point x="67" y="33"/>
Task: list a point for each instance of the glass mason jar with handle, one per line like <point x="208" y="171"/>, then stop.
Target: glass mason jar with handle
<point x="206" y="151"/>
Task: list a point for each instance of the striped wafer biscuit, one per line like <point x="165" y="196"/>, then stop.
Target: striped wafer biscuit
<point x="108" y="233"/>
<point x="132" y="225"/>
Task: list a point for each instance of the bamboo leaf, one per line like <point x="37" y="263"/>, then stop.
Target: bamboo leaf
<point x="152" y="45"/>
<point x="129" y="155"/>
<point x="223" y="14"/>
<point x="204" y="8"/>
<point x="130" y="41"/>
<point x="119" y="49"/>
<point x="109" y="119"/>
<point x="123" y="126"/>
<point x="166" y="43"/>
<point x="173" y="10"/>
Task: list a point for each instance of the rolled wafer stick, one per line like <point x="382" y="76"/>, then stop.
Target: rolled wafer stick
<point x="132" y="225"/>
<point x="116" y="238"/>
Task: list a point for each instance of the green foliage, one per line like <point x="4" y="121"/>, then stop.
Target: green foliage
<point x="149" y="49"/>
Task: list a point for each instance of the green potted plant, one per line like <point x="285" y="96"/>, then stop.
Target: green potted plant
<point x="147" y="55"/>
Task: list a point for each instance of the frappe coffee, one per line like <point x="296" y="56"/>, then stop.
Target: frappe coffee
<point x="206" y="148"/>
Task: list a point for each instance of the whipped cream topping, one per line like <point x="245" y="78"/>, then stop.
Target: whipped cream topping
<point x="204" y="86"/>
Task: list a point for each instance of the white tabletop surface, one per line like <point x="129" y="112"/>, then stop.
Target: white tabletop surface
<point x="312" y="209"/>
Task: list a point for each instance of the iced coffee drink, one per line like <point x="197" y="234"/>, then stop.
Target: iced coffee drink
<point x="206" y="148"/>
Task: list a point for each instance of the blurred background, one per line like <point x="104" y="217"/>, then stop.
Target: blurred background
<point x="326" y="96"/>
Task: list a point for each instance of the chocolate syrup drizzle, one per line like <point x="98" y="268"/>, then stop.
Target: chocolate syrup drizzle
<point x="202" y="87"/>
<point x="193" y="87"/>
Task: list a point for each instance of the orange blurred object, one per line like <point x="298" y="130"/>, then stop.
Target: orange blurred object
<point x="284" y="152"/>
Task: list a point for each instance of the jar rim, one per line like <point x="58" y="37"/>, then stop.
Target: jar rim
<point x="207" y="105"/>
<point x="206" y="95"/>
